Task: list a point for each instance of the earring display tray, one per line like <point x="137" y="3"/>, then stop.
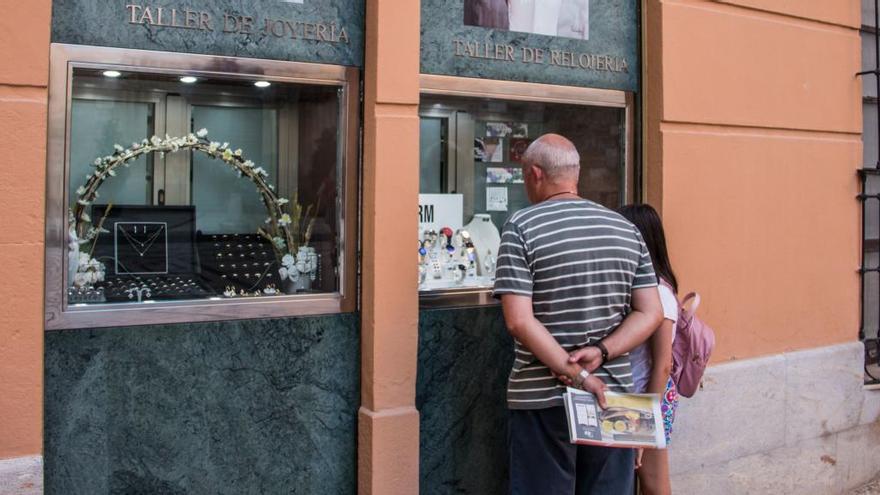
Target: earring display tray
<point x="237" y="261"/>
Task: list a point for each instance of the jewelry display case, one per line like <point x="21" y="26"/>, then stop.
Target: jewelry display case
<point x="195" y="188"/>
<point x="474" y="133"/>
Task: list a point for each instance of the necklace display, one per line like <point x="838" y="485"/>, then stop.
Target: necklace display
<point x="144" y="245"/>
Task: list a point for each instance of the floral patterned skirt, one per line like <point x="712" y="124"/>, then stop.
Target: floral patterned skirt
<point x="668" y="405"/>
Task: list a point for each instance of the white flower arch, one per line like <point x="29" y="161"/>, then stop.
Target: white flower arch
<point x="286" y="234"/>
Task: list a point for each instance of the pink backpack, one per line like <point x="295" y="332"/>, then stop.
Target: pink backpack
<point x="694" y="341"/>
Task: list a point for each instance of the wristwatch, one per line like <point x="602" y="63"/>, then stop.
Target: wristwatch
<point x="581" y="378"/>
<point x="603" y="350"/>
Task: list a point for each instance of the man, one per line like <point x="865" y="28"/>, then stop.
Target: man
<point x="578" y="292"/>
<point x="486" y="13"/>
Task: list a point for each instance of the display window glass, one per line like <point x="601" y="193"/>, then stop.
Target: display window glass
<point x="186" y="187"/>
<point x="471" y="175"/>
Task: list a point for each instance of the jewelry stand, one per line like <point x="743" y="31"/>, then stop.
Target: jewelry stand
<point x="485" y="236"/>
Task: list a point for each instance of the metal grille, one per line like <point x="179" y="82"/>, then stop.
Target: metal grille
<point x="869" y="174"/>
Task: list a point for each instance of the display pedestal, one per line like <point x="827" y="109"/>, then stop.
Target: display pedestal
<point x="486" y="238"/>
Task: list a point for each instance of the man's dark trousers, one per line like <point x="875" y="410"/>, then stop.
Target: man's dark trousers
<point x="543" y="462"/>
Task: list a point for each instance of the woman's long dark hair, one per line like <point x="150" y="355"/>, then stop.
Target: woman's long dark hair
<point x="646" y="219"/>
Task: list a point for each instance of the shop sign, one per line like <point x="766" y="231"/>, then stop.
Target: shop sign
<point x="324" y="31"/>
<point x="591" y="43"/>
<point x="437" y="211"/>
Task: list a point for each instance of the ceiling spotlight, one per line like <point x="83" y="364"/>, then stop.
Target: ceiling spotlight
<point x="112" y="73"/>
<point x="262" y="84"/>
<point x="188" y="79"/>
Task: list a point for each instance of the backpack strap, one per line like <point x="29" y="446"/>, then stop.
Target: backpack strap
<point x="695" y="296"/>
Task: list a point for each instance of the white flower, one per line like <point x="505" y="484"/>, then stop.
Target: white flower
<point x="84" y="260"/>
<point x="261" y="171"/>
<point x="135" y="146"/>
<point x="85" y="217"/>
<point x="118" y="148"/>
<point x="282" y="272"/>
<point x="202" y="132"/>
<point x="212" y="147"/>
<point x="279" y="243"/>
<point x="83" y="202"/>
<point x="79" y="279"/>
<point x="284" y="220"/>
<point x="248" y="164"/>
<point x="155" y="140"/>
<point x="268" y="220"/>
<point x="80" y="190"/>
<point x="288" y="260"/>
<point x="238" y="152"/>
<point x="224" y="146"/>
<point x="97" y="162"/>
<point x="282" y="201"/>
<point x="111" y="172"/>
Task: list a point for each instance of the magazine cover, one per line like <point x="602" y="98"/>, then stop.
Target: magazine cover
<point x="630" y="420"/>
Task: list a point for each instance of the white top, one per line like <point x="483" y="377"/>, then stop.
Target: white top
<point x="534" y="16"/>
<point x="640" y="357"/>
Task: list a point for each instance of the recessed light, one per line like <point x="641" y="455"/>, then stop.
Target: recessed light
<point x="262" y="84"/>
<point x="188" y="79"/>
<point x="112" y="73"/>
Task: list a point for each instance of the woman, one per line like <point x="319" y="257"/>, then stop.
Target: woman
<point x="652" y="361"/>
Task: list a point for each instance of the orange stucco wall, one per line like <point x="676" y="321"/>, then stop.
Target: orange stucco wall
<point x="24" y="72"/>
<point x="753" y="141"/>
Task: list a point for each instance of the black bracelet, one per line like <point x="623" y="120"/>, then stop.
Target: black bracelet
<point x="604" y="351"/>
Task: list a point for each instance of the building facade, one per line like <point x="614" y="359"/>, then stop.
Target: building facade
<point x="153" y="343"/>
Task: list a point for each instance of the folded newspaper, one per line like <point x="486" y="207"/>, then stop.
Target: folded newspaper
<point x="630" y="420"/>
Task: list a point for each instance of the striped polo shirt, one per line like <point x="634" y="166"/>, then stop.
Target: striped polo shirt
<point x="579" y="262"/>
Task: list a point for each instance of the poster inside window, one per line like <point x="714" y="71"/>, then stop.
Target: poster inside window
<point x="472" y="176"/>
<point x="201" y="187"/>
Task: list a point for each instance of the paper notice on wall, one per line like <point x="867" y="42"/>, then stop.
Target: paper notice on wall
<point x="496" y="199"/>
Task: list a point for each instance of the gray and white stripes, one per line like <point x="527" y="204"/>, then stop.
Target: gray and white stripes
<point x="579" y="262"/>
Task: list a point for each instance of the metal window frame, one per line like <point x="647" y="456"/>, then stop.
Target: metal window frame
<point x="872" y="346"/>
<point x="431" y="84"/>
<point x="63" y="59"/>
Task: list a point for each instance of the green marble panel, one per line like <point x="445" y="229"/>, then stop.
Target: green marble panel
<point x="465" y="357"/>
<point x="613" y="32"/>
<point x="310" y="31"/>
<point x="257" y="406"/>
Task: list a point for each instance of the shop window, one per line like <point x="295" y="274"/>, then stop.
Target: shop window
<point x="471" y="176"/>
<point x="192" y="187"/>
<point x="869" y="329"/>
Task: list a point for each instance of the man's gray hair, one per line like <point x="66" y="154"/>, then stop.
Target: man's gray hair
<point x="556" y="155"/>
